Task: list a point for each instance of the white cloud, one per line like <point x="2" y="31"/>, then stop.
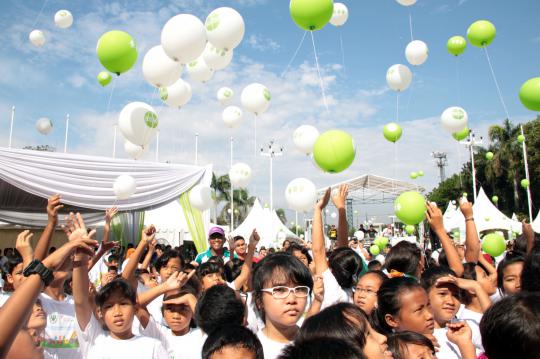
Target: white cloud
<point x="260" y="43"/>
<point x="76" y="80"/>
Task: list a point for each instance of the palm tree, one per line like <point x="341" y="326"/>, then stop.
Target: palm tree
<point x="241" y="199"/>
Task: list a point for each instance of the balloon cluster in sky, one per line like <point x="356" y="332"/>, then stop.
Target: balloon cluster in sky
<point x="63" y="19"/>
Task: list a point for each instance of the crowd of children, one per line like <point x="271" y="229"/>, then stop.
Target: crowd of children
<point x="94" y="299"/>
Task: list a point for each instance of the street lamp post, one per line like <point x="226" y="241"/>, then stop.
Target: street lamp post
<point x="472" y="142"/>
<point x="272" y="150"/>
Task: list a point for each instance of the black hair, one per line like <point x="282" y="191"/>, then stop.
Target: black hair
<point x="218" y="306"/>
<point x="130" y="245"/>
<point x="510" y="258"/>
<point x="232" y="336"/>
<point x="166" y="256"/>
<point x="404" y="257"/>
<point x="209" y="268"/>
<point x="397" y="343"/>
<point x="12" y="262"/>
<point x="322" y="348"/>
<point x="295" y="247"/>
<point x="232" y="269"/>
<point x="112" y="257"/>
<point x="380" y="274"/>
<point x="343" y="321"/>
<point x="346" y="266"/>
<point x="430" y="276"/>
<point x="216" y="259"/>
<point x="514" y="319"/>
<point x="530" y="276"/>
<point x="374" y="265"/>
<point x="388" y="299"/>
<point x="116" y="286"/>
<point x="275" y="267"/>
<point x="159" y="247"/>
<point x="237" y="238"/>
<point x="443" y="259"/>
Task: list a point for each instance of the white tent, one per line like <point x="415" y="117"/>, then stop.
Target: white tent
<point x="536" y="223"/>
<point x="453" y="218"/>
<point x="170" y="223"/>
<point x="270" y="228"/>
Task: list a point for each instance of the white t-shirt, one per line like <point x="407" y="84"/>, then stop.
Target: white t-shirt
<point x="447" y="350"/>
<point x="154" y="308"/>
<point x="4" y="296"/>
<point x="175" y="345"/>
<point x="359" y="234"/>
<point x="473" y="320"/>
<point x="193" y="349"/>
<point x="60" y="336"/>
<point x="333" y="293"/>
<point x="272" y="349"/>
<point x="98" y="270"/>
<point x="96" y="343"/>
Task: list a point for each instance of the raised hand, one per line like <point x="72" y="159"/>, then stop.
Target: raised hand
<point x="85" y="244"/>
<point x="148" y="234"/>
<point x="466" y="207"/>
<point x="53" y="206"/>
<point x="318" y="288"/>
<point x="340" y="198"/>
<point x="321" y="204"/>
<point x="469" y="285"/>
<point x="177" y="280"/>
<point x="74" y="227"/>
<point x="24" y="247"/>
<point x="434" y="217"/>
<point x="459" y="333"/>
<point x="254" y="238"/>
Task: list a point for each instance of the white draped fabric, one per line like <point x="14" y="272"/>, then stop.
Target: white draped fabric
<point x="87" y="181"/>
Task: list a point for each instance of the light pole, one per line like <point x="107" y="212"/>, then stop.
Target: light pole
<point x="472" y="142"/>
<point x="525" y="162"/>
<point x="272" y="150"/>
<point x="440" y="158"/>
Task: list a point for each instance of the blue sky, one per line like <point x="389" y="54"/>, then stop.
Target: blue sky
<point x="59" y="78"/>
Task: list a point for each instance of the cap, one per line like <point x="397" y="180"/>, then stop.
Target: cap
<point x="216" y="230"/>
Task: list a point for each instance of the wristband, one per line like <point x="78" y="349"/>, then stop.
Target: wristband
<point x="36" y="267"/>
<point x="469" y="219"/>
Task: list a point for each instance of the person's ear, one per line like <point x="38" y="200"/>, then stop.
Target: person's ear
<point x="389" y="319"/>
<point x="99" y="313"/>
<point x="9" y="278"/>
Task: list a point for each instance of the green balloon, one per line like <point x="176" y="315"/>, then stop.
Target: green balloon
<point x="381" y="242"/>
<point x="410" y="207"/>
<point x="374" y="250"/>
<point x="455" y="235"/>
<point x="117" y="52"/>
<point x="461" y="135"/>
<point x="481" y="33"/>
<point x="392" y="132"/>
<point x="489" y="156"/>
<point x="521" y="138"/>
<point x="420" y="173"/>
<point x="384" y="242"/>
<point x="456" y="45"/>
<point x="413" y="175"/>
<point x="525" y="183"/>
<point x="465" y="194"/>
<point x="495" y="199"/>
<point x="409" y="229"/>
<point x="334" y="151"/>
<point x="104" y="78"/>
<point x="311" y="14"/>
<point x="529" y="94"/>
<point x="493" y="244"/>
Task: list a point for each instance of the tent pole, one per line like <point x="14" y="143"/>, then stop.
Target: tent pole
<point x="66" y="136"/>
<point x="11" y="125"/>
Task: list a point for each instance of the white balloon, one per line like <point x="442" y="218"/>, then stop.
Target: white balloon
<point x="44" y="125"/>
<point x="159" y="69"/>
<point x="255" y="98"/>
<point x="124" y="186"/>
<point x="304" y="138"/>
<point x="232" y="116"/>
<point x="225" y="95"/>
<point x="200" y="197"/>
<point x="399" y="77"/>
<point x="340" y="15"/>
<point x="217" y="59"/>
<point x="176" y="95"/>
<point x="37" y="38"/>
<point x="199" y="71"/>
<point x="454" y="119"/>
<point x="416" y="52"/>
<point x="240" y="174"/>
<point x="134" y="151"/>
<point x="407" y="2"/>
<point x="138" y="123"/>
<point x="225" y="28"/>
<point x="301" y="194"/>
<point x="63" y="19"/>
<point x="333" y="215"/>
<point x="183" y="38"/>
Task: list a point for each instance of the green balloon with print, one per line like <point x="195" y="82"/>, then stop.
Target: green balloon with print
<point x="410" y="207"/>
<point x="529" y="94"/>
<point x="151" y="119"/>
<point x="409" y="229"/>
<point x="392" y="132"/>
<point x="461" y="135"/>
<point x="311" y="15"/>
<point x="104" y="78"/>
<point x="117" y="51"/>
<point x="456" y="45"/>
<point x="493" y="244"/>
<point x="481" y="33"/>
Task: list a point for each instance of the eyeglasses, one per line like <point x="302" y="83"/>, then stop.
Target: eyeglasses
<point x="365" y="290"/>
<point x="282" y="292"/>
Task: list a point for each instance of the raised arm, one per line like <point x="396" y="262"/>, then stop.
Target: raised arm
<point x="317" y="244"/>
<point x="147" y="236"/>
<point x="435" y="219"/>
<point x="151" y="249"/>
<point x="24" y="247"/>
<point x="340" y="200"/>
<point x="176" y="281"/>
<point x="472" y="242"/>
<point x="245" y="273"/>
<point x="528" y="233"/>
<point x="106" y="245"/>
<point x="44" y="242"/>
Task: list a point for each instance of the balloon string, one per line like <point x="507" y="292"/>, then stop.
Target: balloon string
<point x="397" y="107"/>
<point x="458" y="81"/>
<point x="319" y="71"/>
<point x="410" y="24"/>
<point x="39" y="14"/>
<point x="111" y="95"/>
<point x="496" y="83"/>
<point x="255" y="139"/>
<point x="459" y="165"/>
<point x="342" y="52"/>
<point x="294" y="56"/>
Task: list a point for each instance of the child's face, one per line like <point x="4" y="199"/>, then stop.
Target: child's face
<point x="444" y="302"/>
<point x="376" y="347"/>
<point x="211" y="280"/>
<point x="233" y="353"/>
<point x="178" y="317"/>
<point x="511" y="278"/>
<point x="415" y="351"/>
<point x="172" y="266"/>
<point x="38" y="318"/>
<point x="365" y="294"/>
<point x="487" y="283"/>
<point x="117" y="313"/>
<point x="414" y="314"/>
<point x="16" y="277"/>
<point x="240" y="246"/>
<point x="301" y="256"/>
<point x="283" y="312"/>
